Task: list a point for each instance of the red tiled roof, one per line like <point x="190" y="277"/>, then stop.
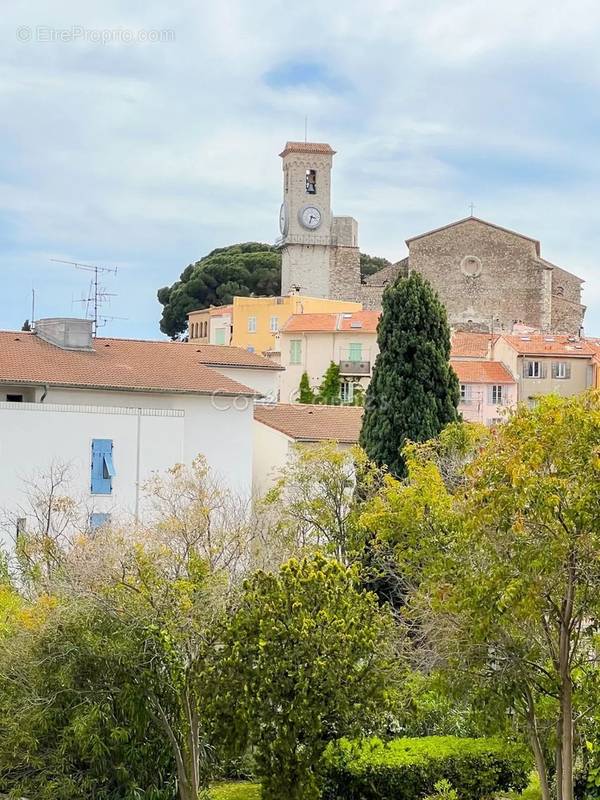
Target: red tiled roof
<point x="220" y="355"/>
<point x="355" y="321"/>
<point x="130" y="364"/>
<point x="308" y="423"/>
<point x="307" y="147"/>
<point x="559" y="344"/>
<point x="471" y="345"/>
<point x="481" y="371"/>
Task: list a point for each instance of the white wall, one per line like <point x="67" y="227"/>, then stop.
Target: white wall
<point x="172" y="428"/>
<point x="271" y="452"/>
<point x="265" y="381"/>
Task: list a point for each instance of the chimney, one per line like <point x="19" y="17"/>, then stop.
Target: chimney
<point x="66" y="332"/>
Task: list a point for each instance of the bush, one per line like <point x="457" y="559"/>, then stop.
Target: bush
<point x="406" y="769"/>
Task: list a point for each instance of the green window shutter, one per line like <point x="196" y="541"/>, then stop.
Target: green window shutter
<point x="220" y="336"/>
<point x="355" y="351"/>
<point x="295" y="351"/>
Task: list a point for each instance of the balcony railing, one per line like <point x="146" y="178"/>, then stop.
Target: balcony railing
<point x="348" y="367"/>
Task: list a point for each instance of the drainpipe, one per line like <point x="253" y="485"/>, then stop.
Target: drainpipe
<point x="43" y="397"/>
<point x="137" y="466"/>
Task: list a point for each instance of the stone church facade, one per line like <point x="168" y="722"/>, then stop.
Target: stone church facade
<point x="488" y="277"/>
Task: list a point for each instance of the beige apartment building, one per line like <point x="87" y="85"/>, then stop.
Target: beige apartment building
<point x="546" y="364"/>
<point x="310" y="342"/>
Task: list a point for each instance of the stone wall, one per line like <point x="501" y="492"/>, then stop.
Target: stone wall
<point x="567" y="311"/>
<point x="485" y="276"/>
<point x="344" y="273"/>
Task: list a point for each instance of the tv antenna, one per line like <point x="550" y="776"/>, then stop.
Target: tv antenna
<point x="97" y="294"/>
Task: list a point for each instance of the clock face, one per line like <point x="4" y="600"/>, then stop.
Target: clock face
<point x="283" y="219"/>
<point x="310" y="217"/>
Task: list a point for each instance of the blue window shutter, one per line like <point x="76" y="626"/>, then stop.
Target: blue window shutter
<point x="98" y="519"/>
<point x="103" y="469"/>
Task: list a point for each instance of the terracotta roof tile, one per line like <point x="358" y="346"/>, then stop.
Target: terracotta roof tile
<point x="471" y="345"/>
<point x="365" y="321"/>
<point x="559" y="344"/>
<point x="113" y="364"/>
<point x="308" y="423"/>
<point x="307" y="147"/>
<point x="220" y="355"/>
<point x="481" y="372"/>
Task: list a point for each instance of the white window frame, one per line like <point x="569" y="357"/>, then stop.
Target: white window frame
<point x="497" y="394"/>
<point x="534" y="369"/>
<point x="562" y="370"/>
<point x="251" y="324"/>
<point x="274" y="324"/>
<point x="466" y="394"/>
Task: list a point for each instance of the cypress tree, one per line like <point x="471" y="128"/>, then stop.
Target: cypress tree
<point x="305" y="393"/>
<point x="414" y="392"/>
<point x="331" y="387"/>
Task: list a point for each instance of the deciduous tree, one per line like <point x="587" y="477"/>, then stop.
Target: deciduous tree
<point x="305" y="664"/>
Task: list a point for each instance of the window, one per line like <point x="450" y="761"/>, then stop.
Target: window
<point x="355" y="351"/>
<point x="220" y="336"/>
<point x="14" y="398"/>
<point x="561" y="370"/>
<point x="346" y="391"/>
<point x="250" y="349"/>
<point x="496" y="395"/>
<point x="102" y="468"/>
<point x="287" y="180"/>
<point x="98" y="520"/>
<point x="274" y="324"/>
<point x="534" y="369"/>
<point x="465" y="393"/>
<point x="311" y="181"/>
<point x="251" y="324"/>
<point x="296" y="351"/>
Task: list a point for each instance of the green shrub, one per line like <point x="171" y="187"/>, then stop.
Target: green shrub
<point x="406" y="769"/>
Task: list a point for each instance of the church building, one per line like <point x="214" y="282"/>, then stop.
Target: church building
<point x="488" y="277"/>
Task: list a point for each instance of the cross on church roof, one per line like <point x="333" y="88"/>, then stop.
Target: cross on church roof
<point x="472" y="207"/>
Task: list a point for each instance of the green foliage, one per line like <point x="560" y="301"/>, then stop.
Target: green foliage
<point x="74" y="721"/>
<point x="331" y="386"/>
<point x="305" y="664"/>
<point x="406" y="769"/>
<point x="305" y="392"/>
<point x="244" y="269"/>
<point x="247" y="269"/>
<point x="414" y="392"/>
<point x="235" y="791"/>
<point x="443" y="791"/>
<point x="371" y="264"/>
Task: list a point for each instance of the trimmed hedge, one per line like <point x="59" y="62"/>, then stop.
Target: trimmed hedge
<point x="407" y="769"/>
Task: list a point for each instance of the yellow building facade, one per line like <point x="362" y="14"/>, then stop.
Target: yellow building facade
<point x="256" y="321"/>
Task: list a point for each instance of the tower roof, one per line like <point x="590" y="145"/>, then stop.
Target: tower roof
<point x="307" y="147"/>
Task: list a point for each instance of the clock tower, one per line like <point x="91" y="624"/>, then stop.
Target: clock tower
<point x="319" y="252"/>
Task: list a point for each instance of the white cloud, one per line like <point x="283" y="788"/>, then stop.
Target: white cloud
<point x="149" y="155"/>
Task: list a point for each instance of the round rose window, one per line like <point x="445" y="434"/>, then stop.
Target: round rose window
<point x="470" y="266"/>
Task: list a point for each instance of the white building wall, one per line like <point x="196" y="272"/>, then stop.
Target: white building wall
<point x="166" y="428"/>
<point x="271" y="453"/>
<point x="265" y="381"/>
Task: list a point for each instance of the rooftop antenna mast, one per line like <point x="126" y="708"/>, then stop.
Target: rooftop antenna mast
<point x="97" y="294"/>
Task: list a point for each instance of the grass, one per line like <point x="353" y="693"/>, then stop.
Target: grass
<point x="531" y="792"/>
<point x="236" y="791"/>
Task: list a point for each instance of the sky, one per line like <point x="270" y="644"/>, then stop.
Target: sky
<point x="143" y="134"/>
